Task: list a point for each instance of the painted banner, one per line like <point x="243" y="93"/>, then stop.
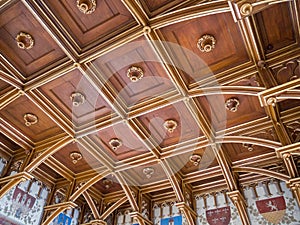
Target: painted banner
<point x="219" y="216"/>
<point x="176" y="220"/>
<point x="272" y="209"/>
<point x="22" y="203"/>
<point x="5" y="221"/>
<point x="62" y="219"/>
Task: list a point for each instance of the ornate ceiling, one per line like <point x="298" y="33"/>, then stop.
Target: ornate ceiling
<point x="106" y="99"/>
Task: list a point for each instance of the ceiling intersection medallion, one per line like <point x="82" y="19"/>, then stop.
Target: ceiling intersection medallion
<point x="135" y="73"/>
<point x="115" y="143"/>
<point x="248" y="146"/>
<point x="107" y="183"/>
<point x="77" y="99"/>
<point x="30" y="119"/>
<point x="206" y="43"/>
<point x="24" y="41"/>
<point x="148" y="171"/>
<point x="195" y="158"/>
<point x="170" y="125"/>
<point x="232" y="104"/>
<point x="86" y="6"/>
<point x="75" y="156"/>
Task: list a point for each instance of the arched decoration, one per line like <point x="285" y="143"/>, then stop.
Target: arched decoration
<point x="261" y="171"/>
<point x="250" y="140"/>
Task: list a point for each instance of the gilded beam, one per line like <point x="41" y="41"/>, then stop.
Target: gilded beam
<point x="91" y="204"/>
<point x="240" y="203"/>
<point x="127" y="191"/>
<point x="112" y="208"/>
<point x="50" y="151"/>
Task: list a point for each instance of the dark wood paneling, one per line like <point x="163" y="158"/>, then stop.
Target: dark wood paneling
<point x="87" y="162"/>
<point x="186" y="125"/>
<point x="14" y="114"/>
<point x="45" y="51"/>
<point x="138" y="53"/>
<point x="208" y="160"/>
<point x="276" y="27"/>
<point x="136" y="174"/>
<point x="59" y="92"/>
<point x="239" y="152"/>
<point x="131" y="145"/>
<point x="154" y="7"/>
<point x="229" y="50"/>
<point x="46" y="169"/>
<point x="109" y="19"/>
<point x="114" y="186"/>
<point x="248" y="110"/>
<point x="7" y="143"/>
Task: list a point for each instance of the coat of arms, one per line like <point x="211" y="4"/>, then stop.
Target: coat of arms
<point x="219" y="216"/>
<point x="62" y="219"/>
<point x="22" y="203"/>
<point x="272" y="209"/>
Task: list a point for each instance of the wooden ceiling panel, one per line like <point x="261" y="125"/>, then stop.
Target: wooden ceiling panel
<point x="107" y="185"/>
<point x="145" y="175"/>
<point x="154" y="7"/>
<point x="242" y="151"/>
<point x="277" y="27"/>
<point x="87" y="162"/>
<point x="191" y="162"/>
<point x="7" y="145"/>
<point x="15" y="112"/>
<point x="248" y="109"/>
<point x="46" y="170"/>
<point x="129" y="146"/>
<point x="293" y="129"/>
<point x="186" y="128"/>
<point x="44" y="52"/>
<point x="229" y="49"/>
<point x="288" y="104"/>
<point x="60" y="90"/>
<point x="114" y="66"/>
<point x="109" y="18"/>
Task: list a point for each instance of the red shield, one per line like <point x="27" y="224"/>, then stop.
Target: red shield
<point x="272" y="209"/>
<point x="219" y="216"/>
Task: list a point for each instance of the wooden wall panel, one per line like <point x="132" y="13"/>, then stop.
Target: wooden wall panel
<point x="248" y="110"/>
<point x="139" y="53"/>
<point x="240" y="152"/>
<point x="131" y="145"/>
<point x="277" y="28"/>
<point x="88" y="162"/>
<point x="229" y="50"/>
<point x="186" y="125"/>
<point x="154" y="7"/>
<point x="44" y="53"/>
<point x="59" y="91"/>
<point x="108" y="18"/>
<point x="43" y="129"/>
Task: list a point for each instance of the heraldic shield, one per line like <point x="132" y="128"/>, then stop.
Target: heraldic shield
<point x="219" y="216"/>
<point x="272" y="209"/>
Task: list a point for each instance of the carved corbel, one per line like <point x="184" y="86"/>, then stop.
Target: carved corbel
<point x="188" y="212"/>
<point x="294" y="185"/>
<point x="240" y="203"/>
<point x="140" y="219"/>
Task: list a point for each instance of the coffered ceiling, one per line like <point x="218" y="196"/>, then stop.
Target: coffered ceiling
<point x="147" y="94"/>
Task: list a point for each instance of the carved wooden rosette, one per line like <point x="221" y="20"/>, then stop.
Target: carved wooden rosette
<point x="86" y="6"/>
<point x="24" y="41"/>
